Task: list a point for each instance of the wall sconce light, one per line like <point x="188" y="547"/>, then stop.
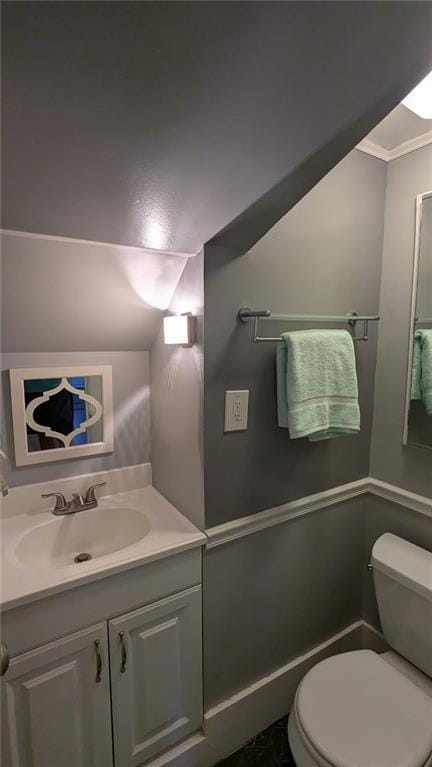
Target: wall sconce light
<point x="180" y="330"/>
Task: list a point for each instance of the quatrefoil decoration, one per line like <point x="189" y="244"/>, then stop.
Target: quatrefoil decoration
<point x="46" y="396"/>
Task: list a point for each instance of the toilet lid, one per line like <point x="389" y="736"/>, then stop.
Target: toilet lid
<point x="359" y="711"/>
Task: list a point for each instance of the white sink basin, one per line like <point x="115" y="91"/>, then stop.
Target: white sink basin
<point x="128" y="529"/>
<point x="96" y="532"/>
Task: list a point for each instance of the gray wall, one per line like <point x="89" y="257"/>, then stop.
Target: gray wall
<point x="83" y="303"/>
<point x="65" y="295"/>
<point x="382" y="516"/>
<point x="408" y="467"/>
<point x="324" y="256"/>
<point x="275" y="594"/>
<point x="177" y="405"/>
<point x="131" y="397"/>
<point x="157" y="123"/>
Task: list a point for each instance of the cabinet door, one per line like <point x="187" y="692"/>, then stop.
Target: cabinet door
<point x="56" y="704"/>
<point x="156" y="676"/>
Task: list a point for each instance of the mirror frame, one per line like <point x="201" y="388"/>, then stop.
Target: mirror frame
<point x="23" y="457"/>
<point x="413" y="312"/>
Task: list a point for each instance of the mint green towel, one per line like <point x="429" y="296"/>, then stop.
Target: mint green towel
<point x="426" y="369"/>
<point x="317" y="391"/>
<point x="416" y="367"/>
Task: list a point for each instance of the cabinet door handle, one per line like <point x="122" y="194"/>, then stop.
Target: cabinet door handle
<point x="123" y="652"/>
<point x="98" y="661"/>
<point x="4" y="658"/>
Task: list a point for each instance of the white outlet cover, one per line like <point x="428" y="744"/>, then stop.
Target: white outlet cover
<point x="236" y="410"/>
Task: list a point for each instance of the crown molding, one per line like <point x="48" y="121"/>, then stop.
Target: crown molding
<point x="410" y="146"/>
<point x="369" y="147"/>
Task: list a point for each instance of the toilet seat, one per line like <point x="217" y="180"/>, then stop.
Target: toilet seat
<point x="356" y="710"/>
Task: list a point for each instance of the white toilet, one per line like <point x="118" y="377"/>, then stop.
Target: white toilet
<point x="362" y="709"/>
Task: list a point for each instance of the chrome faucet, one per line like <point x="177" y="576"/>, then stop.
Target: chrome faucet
<point x="78" y="503"/>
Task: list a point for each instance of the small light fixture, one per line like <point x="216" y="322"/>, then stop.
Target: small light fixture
<point x="420" y="99"/>
<point x="180" y="330"/>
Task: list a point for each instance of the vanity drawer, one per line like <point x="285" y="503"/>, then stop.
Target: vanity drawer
<point x="44" y="620"/>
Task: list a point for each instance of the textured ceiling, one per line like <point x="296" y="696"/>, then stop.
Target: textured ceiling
<point x="157" y="123"/>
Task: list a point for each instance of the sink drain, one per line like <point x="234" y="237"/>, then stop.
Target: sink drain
<point x="82" y="557"/>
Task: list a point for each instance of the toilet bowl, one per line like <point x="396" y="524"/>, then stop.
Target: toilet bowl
<point x="364" y="709"/>
<point x="358" y="710"/>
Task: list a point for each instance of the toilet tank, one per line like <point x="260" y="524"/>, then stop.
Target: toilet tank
<point x="403" y="586"/>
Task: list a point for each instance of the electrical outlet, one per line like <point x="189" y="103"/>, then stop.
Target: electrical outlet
<point x="236" y="410"/>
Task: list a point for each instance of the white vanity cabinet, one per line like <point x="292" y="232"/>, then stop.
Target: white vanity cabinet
<point x="114" y="694"/>
<point x="155" y="657"/>
<point x="56" y="704"/>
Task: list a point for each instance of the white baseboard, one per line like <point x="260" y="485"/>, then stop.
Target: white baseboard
<point x="237" y="719"/>
<point x="373" y="639"/>
<point x="192" y="752"/>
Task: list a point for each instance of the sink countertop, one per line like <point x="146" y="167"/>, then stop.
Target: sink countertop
<point x="169" y="533"/>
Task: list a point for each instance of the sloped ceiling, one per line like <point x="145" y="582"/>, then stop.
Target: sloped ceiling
<point x="64" y="295"/>
<point x="156" y="123"/>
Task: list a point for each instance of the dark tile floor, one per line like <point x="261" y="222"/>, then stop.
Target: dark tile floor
<point x="268" y="749"/>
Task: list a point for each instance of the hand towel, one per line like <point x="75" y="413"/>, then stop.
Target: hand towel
<point x="426" y="369"/>
<point x="416" y="367"/>
<point x="317" y="390"/>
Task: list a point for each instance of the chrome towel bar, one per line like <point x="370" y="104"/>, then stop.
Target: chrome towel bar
<point x="246" y="313"/>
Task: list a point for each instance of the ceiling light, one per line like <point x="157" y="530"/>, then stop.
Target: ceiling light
<point x="420" y="99"/>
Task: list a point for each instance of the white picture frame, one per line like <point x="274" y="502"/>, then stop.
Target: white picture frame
<point x="22" y="415"/>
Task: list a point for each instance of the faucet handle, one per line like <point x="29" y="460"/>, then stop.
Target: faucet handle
<point x="60" y="504"/>
<point x="90" y="494"/>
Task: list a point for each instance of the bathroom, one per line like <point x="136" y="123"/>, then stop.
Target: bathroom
<point x="221" y="564"/>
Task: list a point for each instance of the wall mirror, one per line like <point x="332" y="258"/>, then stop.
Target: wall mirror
<point x="61" y="413"/>
<point x="418" y="415"/>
